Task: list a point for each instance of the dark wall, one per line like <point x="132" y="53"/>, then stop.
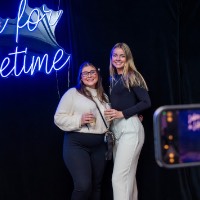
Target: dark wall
<point x="163" y="36"/>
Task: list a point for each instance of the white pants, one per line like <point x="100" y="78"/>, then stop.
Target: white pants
<point x="130" y="139"/>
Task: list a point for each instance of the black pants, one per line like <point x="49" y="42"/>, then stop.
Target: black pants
<point x="84" y="156"/>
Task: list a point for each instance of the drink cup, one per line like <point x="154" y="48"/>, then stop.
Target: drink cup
<point x="107" y="106"/>
<point x="93" y="122"/>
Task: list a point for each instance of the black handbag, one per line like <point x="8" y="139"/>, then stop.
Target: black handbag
<point x="109" y="139"/>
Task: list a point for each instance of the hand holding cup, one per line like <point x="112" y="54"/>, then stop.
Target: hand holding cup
<point x="111" y="114"/>
<point x="88" y="118"/>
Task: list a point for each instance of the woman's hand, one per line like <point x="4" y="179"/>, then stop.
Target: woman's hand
<point x="140" y="117"/>
<point x="87" y="118"/>
<point x="111" y="114"/>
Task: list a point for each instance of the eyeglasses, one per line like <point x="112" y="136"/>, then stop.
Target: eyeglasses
<point x="86" y="74"/>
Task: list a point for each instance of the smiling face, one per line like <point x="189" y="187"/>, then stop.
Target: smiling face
<point x="89" y="76"/>
<point x="118" y="59"/>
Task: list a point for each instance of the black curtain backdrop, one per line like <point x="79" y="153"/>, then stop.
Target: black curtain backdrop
<point x="164" y="38"/>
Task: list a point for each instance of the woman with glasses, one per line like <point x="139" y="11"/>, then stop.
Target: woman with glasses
<point x="129" y="96"/>
<point x="84" y="148"/>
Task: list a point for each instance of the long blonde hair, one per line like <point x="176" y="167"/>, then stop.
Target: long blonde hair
<point x="131" y="77"/>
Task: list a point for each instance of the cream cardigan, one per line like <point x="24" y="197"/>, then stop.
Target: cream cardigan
<point x="70" y="109"/>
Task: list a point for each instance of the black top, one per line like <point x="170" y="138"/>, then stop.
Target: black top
<point x="129" y="102"/>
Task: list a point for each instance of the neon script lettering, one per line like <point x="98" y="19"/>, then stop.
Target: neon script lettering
<point x="6" y="69"/>
<point x="11" y="65"/>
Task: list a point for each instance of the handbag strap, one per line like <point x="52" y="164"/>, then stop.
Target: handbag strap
<point x="109" y="140"/>
<point x="101" y="115"/>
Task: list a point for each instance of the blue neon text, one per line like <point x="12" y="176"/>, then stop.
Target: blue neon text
<point x="10" y="64"/>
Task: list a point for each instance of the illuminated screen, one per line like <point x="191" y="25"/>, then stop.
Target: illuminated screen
<point x="189" y="135"/>
<point x="180" y="136"/>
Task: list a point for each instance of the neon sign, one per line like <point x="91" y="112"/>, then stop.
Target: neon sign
<point x="36" y="48"/>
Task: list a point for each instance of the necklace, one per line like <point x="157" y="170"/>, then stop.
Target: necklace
<point x="114" y="82"/>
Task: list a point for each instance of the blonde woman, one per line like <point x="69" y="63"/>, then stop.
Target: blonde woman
<point x="129" y="96"/>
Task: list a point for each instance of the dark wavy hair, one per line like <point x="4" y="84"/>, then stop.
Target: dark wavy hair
<point x="81" y="87"/>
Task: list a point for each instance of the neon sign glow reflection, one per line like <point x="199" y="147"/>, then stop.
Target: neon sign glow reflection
<point x="43" y="19"/>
